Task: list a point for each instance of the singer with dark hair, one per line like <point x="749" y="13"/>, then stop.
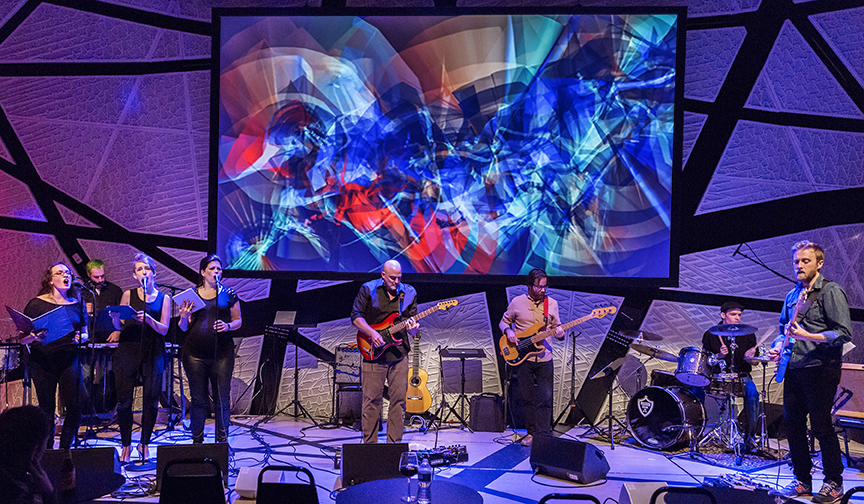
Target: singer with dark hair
<point x="54" y="360"/>
<point x="376" y="301"/>
<point x="140" y="351"/>
<point x="208" y="349"/>
<point x="534" y="374"/>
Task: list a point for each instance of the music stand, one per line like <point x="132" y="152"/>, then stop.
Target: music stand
<point x="461" y="354"/>
<point x="609" y="371"/>
<point x="288" y="320"/>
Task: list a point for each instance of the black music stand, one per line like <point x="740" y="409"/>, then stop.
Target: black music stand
<point x="288" y="321"/>
<point x="610" y="371"/>
<point x="461" y="354"/>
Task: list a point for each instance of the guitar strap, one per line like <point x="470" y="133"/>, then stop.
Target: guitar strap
<point x="545" y="310"/>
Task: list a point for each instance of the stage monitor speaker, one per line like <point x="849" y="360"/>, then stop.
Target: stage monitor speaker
<point x="217" y="452"/>
<point x="95" y="468"/>
<point x="640" y="492"/>
<point x="568" y="459"/>
<point x="372" y="461"/>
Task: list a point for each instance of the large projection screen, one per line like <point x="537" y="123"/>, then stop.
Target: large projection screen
<point x="474" y="146"/>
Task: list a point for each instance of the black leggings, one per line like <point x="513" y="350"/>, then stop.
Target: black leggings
<point x="129" y="362"/>
<point x="53" y="369"/>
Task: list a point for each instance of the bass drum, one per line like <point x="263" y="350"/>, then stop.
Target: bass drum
<point x="665" y="418"/>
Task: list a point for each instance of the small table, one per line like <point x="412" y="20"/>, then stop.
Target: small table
<point x="390" y="491"/>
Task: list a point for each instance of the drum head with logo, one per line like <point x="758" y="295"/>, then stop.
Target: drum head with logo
<point x="664" y="418"/>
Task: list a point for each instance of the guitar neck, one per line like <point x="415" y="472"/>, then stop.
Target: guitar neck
<point x="416" y="353"/>
<point x="542" y="335"/>
<point x="398" y="326"/>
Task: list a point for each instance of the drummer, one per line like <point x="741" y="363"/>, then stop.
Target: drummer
<point x="721" y="348"/>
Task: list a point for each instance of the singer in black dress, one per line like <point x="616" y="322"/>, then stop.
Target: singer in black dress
<point x="208" y="350"/>
<point x="140" y="351"/>
<point x="55" y="364"/>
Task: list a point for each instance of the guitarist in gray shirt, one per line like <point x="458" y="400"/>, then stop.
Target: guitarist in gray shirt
<point x="815" y="319"/>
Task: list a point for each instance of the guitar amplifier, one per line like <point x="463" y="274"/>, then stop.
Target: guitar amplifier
<point x="487" y="413"/>
<point x="348" y="365"/>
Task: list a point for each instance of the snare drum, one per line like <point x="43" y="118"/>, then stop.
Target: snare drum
<point x="724" y="383"/>
<point x="9" y="356"/>
<point x="693" y="367"/>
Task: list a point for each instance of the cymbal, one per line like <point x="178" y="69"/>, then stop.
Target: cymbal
<point x="643" y="335"/>
<point x="762" y="359"/>
<point x="654" y="352"/>
<point x="732" y="330"/>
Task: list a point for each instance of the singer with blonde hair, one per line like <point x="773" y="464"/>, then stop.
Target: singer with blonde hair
<point x="208" y="349"/>
<point x="140" y="350"/>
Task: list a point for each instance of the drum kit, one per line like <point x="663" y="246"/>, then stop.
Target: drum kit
<point x="670" y="414"/>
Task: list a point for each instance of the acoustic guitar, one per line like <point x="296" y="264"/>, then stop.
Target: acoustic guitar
<point x="531" y="340"/>
<point x="418" y="399"/>
<point x="390" y="327"/>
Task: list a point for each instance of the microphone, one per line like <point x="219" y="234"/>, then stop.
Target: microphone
<point x="144" y="284"/>
<point x="737" y="250"/>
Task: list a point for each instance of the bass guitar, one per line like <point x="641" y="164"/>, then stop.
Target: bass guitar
<point x="531" y="340"/>
<point x="390" y="327"/>
<point x="418" y="400"/>
<point x="786" y="348"/>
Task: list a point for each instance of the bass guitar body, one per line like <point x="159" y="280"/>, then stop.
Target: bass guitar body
<point x="515" y="353"/>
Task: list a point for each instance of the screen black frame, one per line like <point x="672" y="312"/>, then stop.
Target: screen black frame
<point x="672" y="280"/>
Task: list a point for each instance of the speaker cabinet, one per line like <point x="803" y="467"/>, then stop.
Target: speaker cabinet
<point x="97" y="471"/>
<point x="568" y="459"/>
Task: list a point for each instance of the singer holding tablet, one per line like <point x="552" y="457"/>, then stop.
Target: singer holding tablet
<point x="208" y="350"/>
<point x="140" y="350"/>
<point x="53" y="353"/>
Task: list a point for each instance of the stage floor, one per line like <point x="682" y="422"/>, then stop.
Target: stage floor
<point x="498" y="467"/>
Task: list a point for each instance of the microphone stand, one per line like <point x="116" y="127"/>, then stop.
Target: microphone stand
<point x="572" y="403"/>
<point x="760" y="263"/>
<point x="89" y="433"/>
<point x="174" y="354"/>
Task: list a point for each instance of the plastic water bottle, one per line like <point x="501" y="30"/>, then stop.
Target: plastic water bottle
<point x="424" y="480"/>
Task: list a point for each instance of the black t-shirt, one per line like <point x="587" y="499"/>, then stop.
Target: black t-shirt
<point x="711" y="343"/>
<point x="202" y="341"/>
<point x="103" y="326"/>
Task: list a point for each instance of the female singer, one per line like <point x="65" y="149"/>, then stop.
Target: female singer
<point x="55" y="364"/>
<point x="208" y="351"/>
<point x="141" y="350"/>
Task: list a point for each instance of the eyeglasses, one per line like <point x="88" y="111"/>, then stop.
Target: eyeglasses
<point x="540" y="287"/>
<point x="62" y="273"/>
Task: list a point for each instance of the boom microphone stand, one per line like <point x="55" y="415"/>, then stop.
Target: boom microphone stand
<point x="572" y="402"/>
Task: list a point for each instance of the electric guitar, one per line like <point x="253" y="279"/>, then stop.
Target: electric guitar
<point x="786" y="348"/>
<point x="531" y="340"/>
<point x="418" y="399"/>
<point x="388" y="328"/>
